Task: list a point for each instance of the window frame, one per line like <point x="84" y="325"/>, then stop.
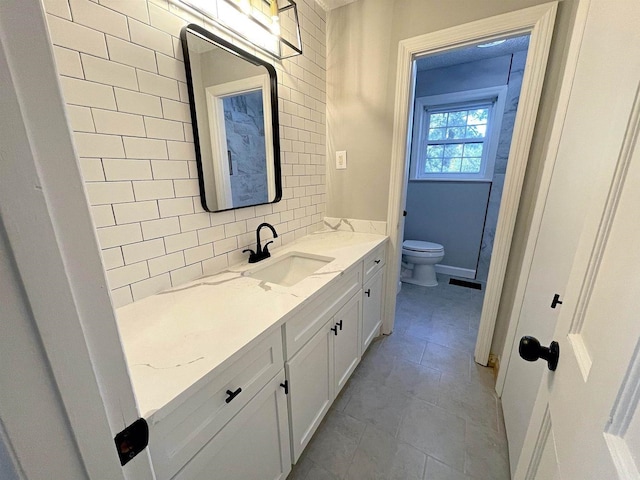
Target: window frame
<point x="495" y="96"/>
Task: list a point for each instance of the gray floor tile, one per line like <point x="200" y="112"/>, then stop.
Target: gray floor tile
<point x="380" y="456"/>
<point x="417" y="406"/>
<point x="434" y="431"/>
<point x="439" y="471"/>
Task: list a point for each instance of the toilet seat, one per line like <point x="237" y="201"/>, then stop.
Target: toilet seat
<point x="420" y="246"/>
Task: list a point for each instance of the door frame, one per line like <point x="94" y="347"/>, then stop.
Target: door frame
<point x="538" y="21"/>
<point x="48" y="224"/>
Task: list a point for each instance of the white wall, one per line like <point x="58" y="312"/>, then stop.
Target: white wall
<point x="124" y="84"/>
<point x="361" y="68"/>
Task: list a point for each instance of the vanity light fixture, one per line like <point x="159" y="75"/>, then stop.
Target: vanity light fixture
<point x="272" y="26"/>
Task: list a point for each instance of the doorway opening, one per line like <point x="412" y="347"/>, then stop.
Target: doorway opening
<point x="464" y="111"/>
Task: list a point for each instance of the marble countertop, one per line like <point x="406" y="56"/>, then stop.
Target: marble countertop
<point x="175" y="338"/>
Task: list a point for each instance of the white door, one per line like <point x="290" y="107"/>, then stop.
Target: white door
<point x="602" y="94"/>
<point x="47" y="222"/>
<point x="583" y="423"/>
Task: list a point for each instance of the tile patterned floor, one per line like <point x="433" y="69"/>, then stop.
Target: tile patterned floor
<point x="417" y="407"/>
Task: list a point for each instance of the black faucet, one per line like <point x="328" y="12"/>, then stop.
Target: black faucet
<point x="261" y="253"/>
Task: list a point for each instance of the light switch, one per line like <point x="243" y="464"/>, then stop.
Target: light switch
<point x="341" y="160"/>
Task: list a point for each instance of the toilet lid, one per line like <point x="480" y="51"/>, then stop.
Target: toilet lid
<point x="420" y="246"/>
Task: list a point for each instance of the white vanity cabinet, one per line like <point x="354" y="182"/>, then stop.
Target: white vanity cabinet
<point x="372" y="295"/>
<point x="320" y="369"/>
<point x="254" y="445"/>
<point x="195" y="423"/>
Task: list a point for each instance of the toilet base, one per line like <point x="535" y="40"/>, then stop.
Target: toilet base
<point x="423" y="275"/>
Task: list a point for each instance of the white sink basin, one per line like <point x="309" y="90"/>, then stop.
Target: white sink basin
<point x="289" y="269"/>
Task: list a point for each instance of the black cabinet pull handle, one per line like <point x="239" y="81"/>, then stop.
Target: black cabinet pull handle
<point x="339" y="324"/>
<point x="232" y="395"/>
<point x="368" y="292"/>
<point x="335" y="329"/>
<point x="285" y="385"/>
<point x="377" y="261"/>
<point x="531" y="350"/>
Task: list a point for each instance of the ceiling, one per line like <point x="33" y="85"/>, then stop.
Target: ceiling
<point x="331" y="4"/>
<point x="472" y="53"/>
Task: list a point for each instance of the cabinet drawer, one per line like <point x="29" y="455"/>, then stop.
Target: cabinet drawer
<point x="373" y="262"/>
<point x="183" y="430"/>
<point x="313" y="316"/>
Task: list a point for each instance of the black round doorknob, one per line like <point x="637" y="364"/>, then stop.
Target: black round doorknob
<point x="531" y="350"/>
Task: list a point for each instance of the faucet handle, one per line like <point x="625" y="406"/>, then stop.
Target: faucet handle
<point x="265" y="250"/>
<point x="248" y="250"/>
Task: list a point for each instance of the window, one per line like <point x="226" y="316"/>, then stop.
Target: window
<point x="456" y="135"/>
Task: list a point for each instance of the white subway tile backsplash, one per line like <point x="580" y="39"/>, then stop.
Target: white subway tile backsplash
<point x="120" y="169"/>
<point x="68" y="62"/>
<point x="150" y="286"/>
<point x="175" y="206"/>
<point x="121" y="296"/>
<point x="224" y="246"/>
<point x="186" y="188"/>
<point x="76" y="37"/>
<point x="160" y="228"/>
<point x="158" y="85"/>
<point x="215" y="265"/>
<point x="145" y="148"/>
<point x="116" y="123"/>
<point x="173" y="243"/>
<point x="137" y="252"/>
<point x="131" y="54"/>
<point x="165" y="129"/>
<point x="170" y="67"/>
<point x="128" y="106"/>
<point x="102" y="215"/>
<point x="181" y="150"/>
<point x="176" y="110"/>
<point x="119" y="277"/>
<point x="98" y="145"/>
<point x="169" y="169"/>
<point x="111" y="73"/>
<point x="91" y="169"/>
<point x="80" y="118"/>
<point x="101" y="193"/>
<point x="186" y="274"/>
<point x="165" y="20"/>
<point x="131" y="8"/>
<point x="87" y="94"/>
<point x="153" y="189"/>
<point x="136" y="212"/>
<point x="119" y="235"/>
<point x="90" y="14"/>
<point x="198" y="254"/>
<point x="211" y="234"/>
<point x="150" y="37"/>
<point x="194" y="221"/>
<point x="59" y="8"/>
<point x="112" y="258"/>
<point x="166" y="263"/>
<point x="135" y="102"/>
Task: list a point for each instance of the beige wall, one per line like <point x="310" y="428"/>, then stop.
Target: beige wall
<point x="362" y="42"/>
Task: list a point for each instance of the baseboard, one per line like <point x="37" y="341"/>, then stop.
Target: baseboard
<point x="456" y="271"/>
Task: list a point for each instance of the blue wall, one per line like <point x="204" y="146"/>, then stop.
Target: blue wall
<point x="462" y="216"/>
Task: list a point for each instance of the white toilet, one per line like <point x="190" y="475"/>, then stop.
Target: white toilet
<point x="421" y="258"/>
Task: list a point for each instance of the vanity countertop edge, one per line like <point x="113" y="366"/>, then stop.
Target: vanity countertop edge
<point x="172" y="344"/>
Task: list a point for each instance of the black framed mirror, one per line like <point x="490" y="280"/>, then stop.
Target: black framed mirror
<point x="234" y="113"/>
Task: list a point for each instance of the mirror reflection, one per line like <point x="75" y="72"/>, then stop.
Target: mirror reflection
<point x="235" y="122"/>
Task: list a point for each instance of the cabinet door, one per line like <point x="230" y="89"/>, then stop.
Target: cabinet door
<point x="372" y="309"/>
<point x="254" y="445"/>
<point x="311" y="387"/>
<point x="346" y="337"/>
